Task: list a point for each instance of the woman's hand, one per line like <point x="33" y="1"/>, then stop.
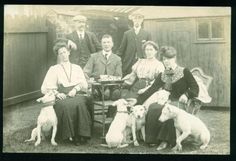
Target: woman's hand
<point x="162" y="97"/>
<point x="141" y="91"/>
<point x="183" y="98"/>
<point x="125" y="85"/>
<point x="72" y="93"/>
<point x="61" y="96"/>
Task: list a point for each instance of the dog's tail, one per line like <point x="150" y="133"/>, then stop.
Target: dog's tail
<point x="123" y="145"/>
<point x="104" y="145"/>
<point x="108" y="146"/>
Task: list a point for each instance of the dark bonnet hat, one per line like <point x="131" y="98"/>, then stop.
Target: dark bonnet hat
<point x="155" y="45"/>
<point x="168" y="52"/>
<point x="59" y="43"/>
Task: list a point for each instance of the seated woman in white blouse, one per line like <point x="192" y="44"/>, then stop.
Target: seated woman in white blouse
<point x="144" y="71"/>
<point x="66" y="80"/>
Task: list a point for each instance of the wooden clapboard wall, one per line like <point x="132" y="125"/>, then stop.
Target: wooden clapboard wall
<point x="25" y="58"/>
<point x="212" y="57"/>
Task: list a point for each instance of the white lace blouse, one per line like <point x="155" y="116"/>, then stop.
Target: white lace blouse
<point x="144" y="69"/>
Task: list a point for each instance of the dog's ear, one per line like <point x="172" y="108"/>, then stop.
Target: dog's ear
<point x="132" y="109"/>
<point x="131" y="101"/>
<point x="168" y="107"/>
<point x="129" y="108"/>
<point x="115" y="103"/>
<point x="124" y="102"/>
<point x="145" y="108"/>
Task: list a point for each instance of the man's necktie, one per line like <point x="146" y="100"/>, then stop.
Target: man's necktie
<point x="80" y="36"/>
<point x="106" y="57"/>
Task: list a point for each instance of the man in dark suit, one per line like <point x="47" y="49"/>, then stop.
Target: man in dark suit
<point x="104" y="63"/>
<point x="131" y="45"/>
<point x="82" y="42"/>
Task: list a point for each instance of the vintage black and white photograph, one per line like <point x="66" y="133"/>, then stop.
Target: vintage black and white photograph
<point x="116" y="79"/>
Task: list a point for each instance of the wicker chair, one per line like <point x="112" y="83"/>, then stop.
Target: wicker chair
<point x="194" y="105"/>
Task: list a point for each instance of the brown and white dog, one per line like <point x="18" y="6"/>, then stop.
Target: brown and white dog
<point x="46" y="121"/>
<point x="186" y="125"/>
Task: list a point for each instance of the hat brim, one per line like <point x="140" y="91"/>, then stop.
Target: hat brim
<point x="136" y="16"/>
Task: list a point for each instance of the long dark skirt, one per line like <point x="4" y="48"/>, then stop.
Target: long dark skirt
<point x="74" y="118"/>
<point x="157" y="131"/>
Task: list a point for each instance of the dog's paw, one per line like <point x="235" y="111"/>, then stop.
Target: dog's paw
<point x="162" y="146"/>
<point x="177" y="148"/>
<point x="136" y="143"/>
<point x="174" y="148"/>
<point x="53" y="143"/>
<point x="203" y="147"/>
<point x="36" y="143"/>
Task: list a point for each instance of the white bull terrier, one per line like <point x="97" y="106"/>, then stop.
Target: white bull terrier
<point x="46" y="121"/>
<point x="136" y="122"/>
<point x="118" y="132"/>
<point x="186" y="125"/>
<point x="116" y="136"/>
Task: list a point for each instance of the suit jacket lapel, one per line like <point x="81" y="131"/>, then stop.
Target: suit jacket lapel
<point x="88" y="39"/>
<point x="76" y="37"/>
<point x="141" y="32"/>
<point x="133" y="33"/>
<point x="110" y="59"/>
<point x="102" y="58"/>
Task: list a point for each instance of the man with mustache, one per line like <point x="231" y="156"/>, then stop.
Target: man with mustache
<point x="83" y="42"/>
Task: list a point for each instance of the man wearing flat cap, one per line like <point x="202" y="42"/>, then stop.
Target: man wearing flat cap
<point x="83" y="43"/>
<point x="131" y="45"/>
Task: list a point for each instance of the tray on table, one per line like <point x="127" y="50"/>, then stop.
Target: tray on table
<point x="109" y="81"/>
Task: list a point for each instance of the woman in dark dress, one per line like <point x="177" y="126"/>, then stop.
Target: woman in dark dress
<point x="181" y="85"/>
<point x="66" y="80"/>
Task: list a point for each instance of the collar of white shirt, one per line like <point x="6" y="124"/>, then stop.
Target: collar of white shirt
<point x="136" y="30"/>
<point x="80" y="34"/>
<point x="106" y="53"/>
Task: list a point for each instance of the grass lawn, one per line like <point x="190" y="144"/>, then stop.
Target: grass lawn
<point x="18" y="123"/>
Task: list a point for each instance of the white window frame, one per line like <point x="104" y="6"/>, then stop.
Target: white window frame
<point x="209" y="21"/>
